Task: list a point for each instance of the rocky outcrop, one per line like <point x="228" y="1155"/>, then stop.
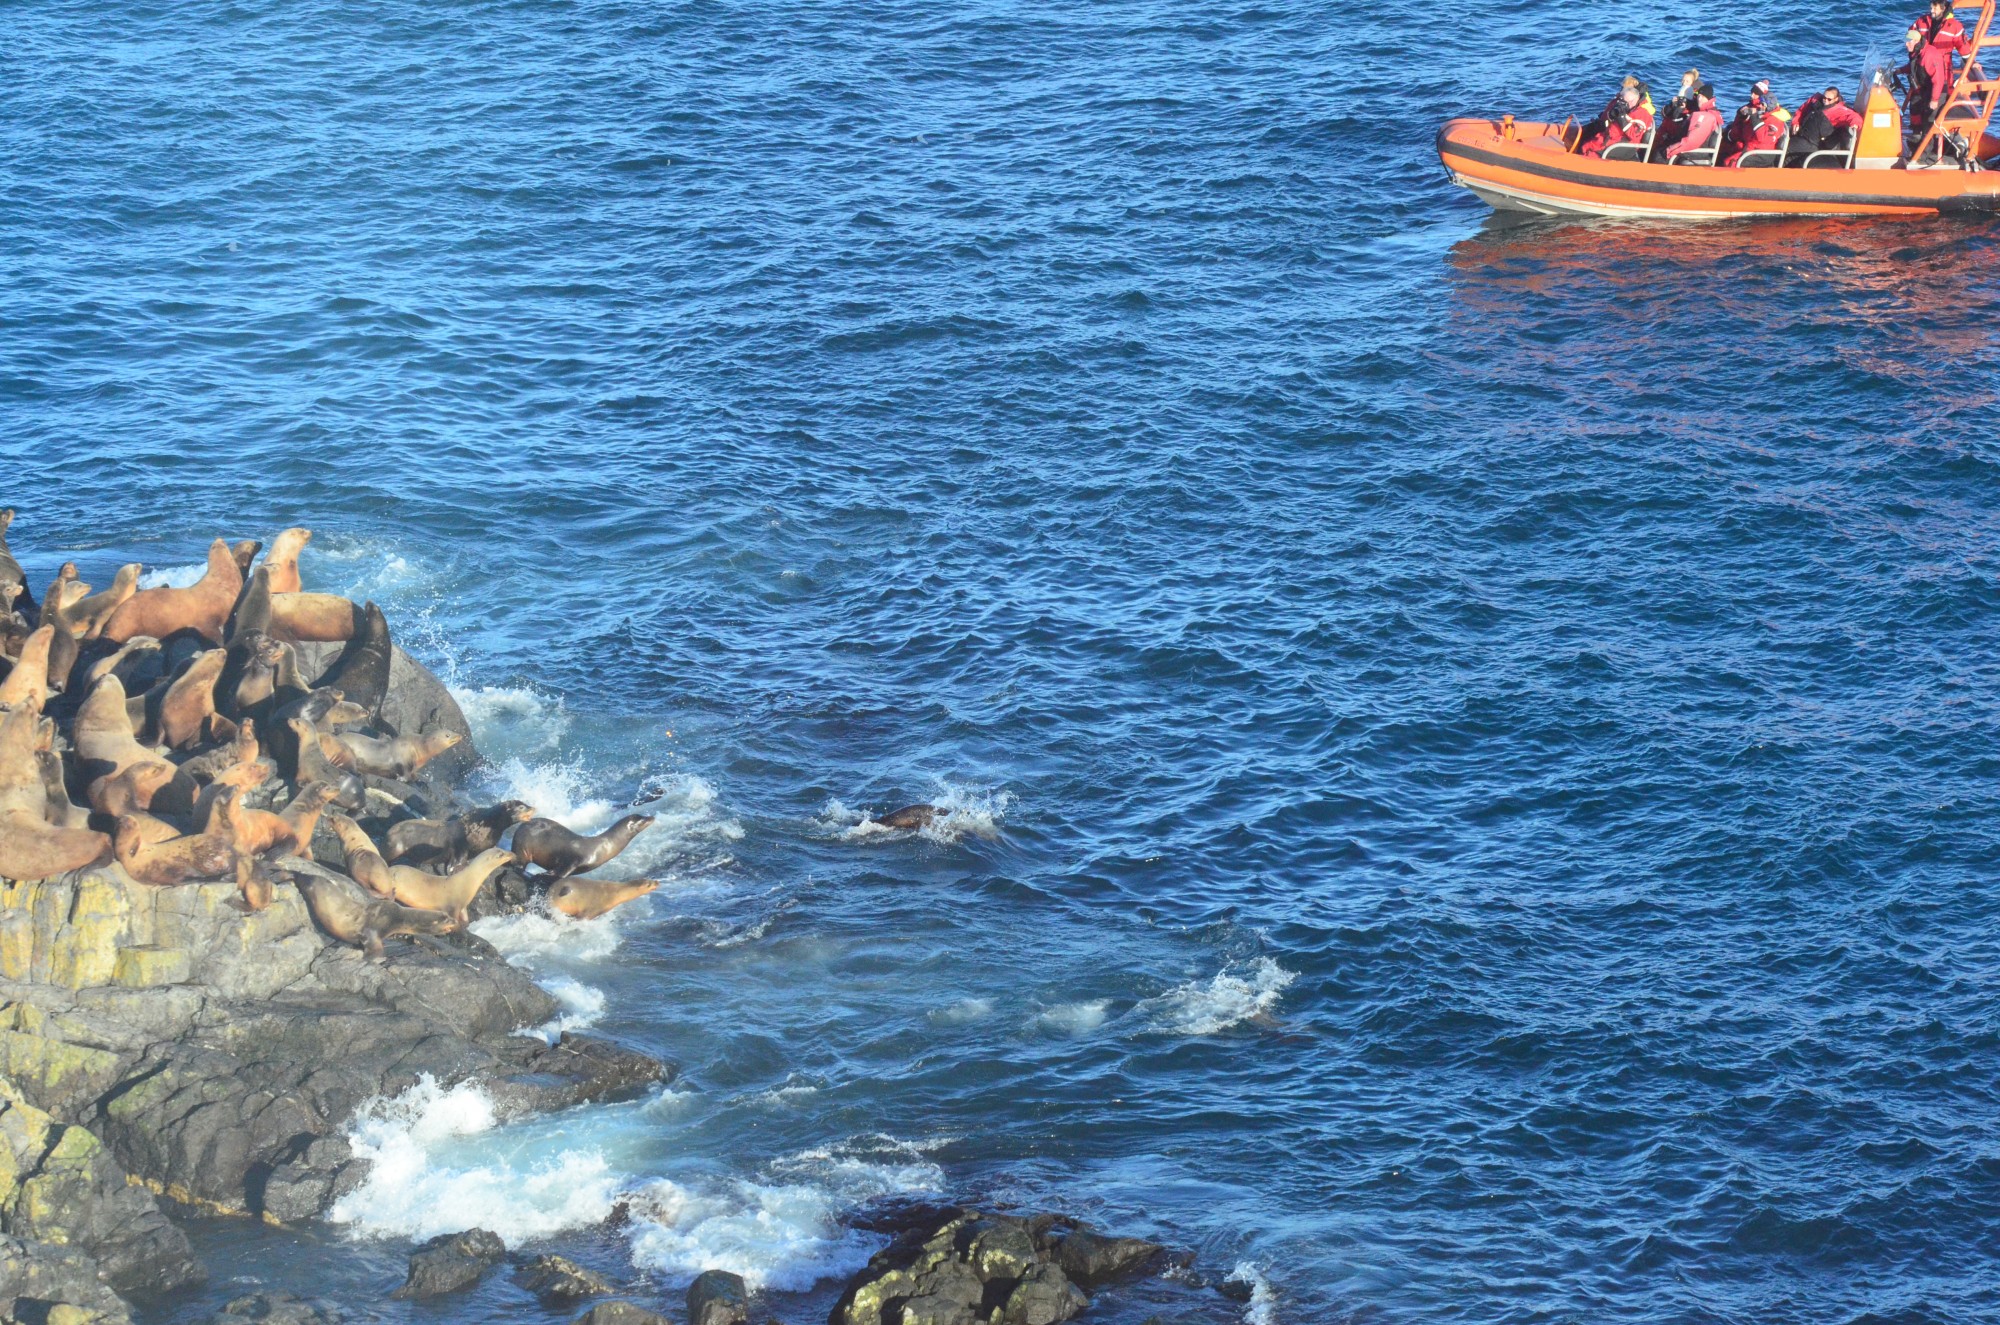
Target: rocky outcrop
<point x="963" y="1268"/>
<point x="59" y="1285"/>
<point x="417" y="702"/>
<point x="452" y="1263"/>
<point x="276" y="1309"/>
<point x="558" y="1279"/>
<point x="620" y="1313"/>
<point x="717" y="1297"/>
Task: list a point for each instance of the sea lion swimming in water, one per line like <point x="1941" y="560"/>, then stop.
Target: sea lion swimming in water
<point x="88" y="616"/>
<point x="203" y="607"/>
<point x="350" y="915"/>
<point x="587" y="899"/>
<point x="283" y="559"/>
<point x="546" y="843"/>
<point x="361" y="672"/>
<point x="911" y="817"/>
<point x="449" y="843"/>
<point x="30" y="846"/>
<point x="387" y="757"/>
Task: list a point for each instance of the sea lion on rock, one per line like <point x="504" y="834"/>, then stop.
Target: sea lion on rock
<point x="246" y="775"/>
<point x="350" y="915"/>
<point x="312" y="765"/>
<point x="190" y="700"/>
<point x="361" y="672"/>
<point x="546" y="843"/>
<point x="30" y="846"/>
<point x="102" y="732"/>
<point x="253" y="607"/>
<point x="911" y="817"/>
<point x="10" y="569"/>
<point x="202" y="607"/>
<point x="283" y="559"/>
<point x="364" y="862"/>
<point x="130" y="792"/>
<point x="61" y="811"/>
<point x="244" y="551"/>
<point x="316" y="618"/>
<point x="88" y="616"/>
<point x="450" y="893"/>
<point x="29" y="681"/>
<point x="250" y="678"/>
<point x="387" y="757"/>
<point x="205" y="855"/>
<point x="63" y="591"/>
<point x="449" y="843"/>
<point x="304" y="811"/>
<point x="133" y="656"/>
<point x="587" y="899"/>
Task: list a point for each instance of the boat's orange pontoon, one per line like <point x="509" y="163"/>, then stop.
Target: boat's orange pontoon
<point x="1530" y="167"/>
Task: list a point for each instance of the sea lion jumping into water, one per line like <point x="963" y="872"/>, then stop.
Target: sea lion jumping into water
<point x="350" y="915"/>
<point x="546" y="843"/>
<point x="587" y="899"/>
<point x="203" y="607"/>
<point x="449" y="843"/>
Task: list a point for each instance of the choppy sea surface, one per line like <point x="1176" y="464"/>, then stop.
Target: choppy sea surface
<point x="1470" y="750"/>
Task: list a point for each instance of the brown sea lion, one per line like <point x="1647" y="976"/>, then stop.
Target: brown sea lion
<point x="253" y="607"/>
<point x="63" y="592"/>
<point x="283" y="559"/>
<point x="911" y="817"/>
<point x="203" y="607"/>
<point x="64" y="647"/>
<point x="319" y="618"/>
<point x="244" y="551"/>
<point x="244" y="747"/>
<point x="10" y="569"/>
<point x="254" y="834"/>
<point x="238" y="777"/>
<point x="205" y="855"/>
<point x="190" y="700"/>
<point x="102" y="732"/>
<point x="361" y="672"/>
<point x="312" y="765"/>
<point x="88" y="616"/>
<point x="307" y="804"/>
<point x="386" y="757"/>
<point x="129" y="792"/>
<point x="449" y="843"/>
<point x="350" y="915"/>
<point x="30" y="846"/>
<point x="134" y="656"/>
<point x="546" y="843"/>
<point x="450" y="893"/>
<point x="251" y="677"/>
<point x="364" y="863"/>
<point x="29" y="681"/>
<point x="587" y="899"/>
<point x="60" y="811"/>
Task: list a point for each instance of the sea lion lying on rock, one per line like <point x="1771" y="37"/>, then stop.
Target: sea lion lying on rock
<point x="88" y="616"/>
<point x="587" y="899"/>
<point x="314" y="618"/>
<point x="210" y="854"/>
<point x="386" y="756"/>
<point x="30" y="846"/>
<point x="449" y="843"/>
<point x="203" y="607"/>
<point x="347" y="913"/>
<point x="312" y="765"/>
<point x="548" y="844"/>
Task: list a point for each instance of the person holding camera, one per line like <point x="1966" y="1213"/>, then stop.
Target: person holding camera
<point x="1760" y="124"/>
<point x="1616" y="108"/>
<point x="1628" y="119"/>
<point x="1679" y="109"/>
<point x="1703" y="123"/>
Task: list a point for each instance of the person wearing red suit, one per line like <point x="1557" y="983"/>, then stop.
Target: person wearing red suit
<point x="1939" y="36"/>
<point x="1820" y="122"/>
<point x="1628" y="119"/>
<point x="1702" y="123"/>
<point x="1760" y="125"/>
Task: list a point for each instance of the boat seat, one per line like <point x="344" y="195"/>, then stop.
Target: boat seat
<point x="1766" y="158"/>
<point x="1632" y="151"/>
<point x="1704" y="155"/>
<point x="1833" y="158"/>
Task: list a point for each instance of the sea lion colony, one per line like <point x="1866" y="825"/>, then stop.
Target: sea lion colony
<point x="180" y="719"/>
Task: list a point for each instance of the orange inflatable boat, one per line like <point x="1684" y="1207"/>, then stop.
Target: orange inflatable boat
<point x="1523" y="166"/>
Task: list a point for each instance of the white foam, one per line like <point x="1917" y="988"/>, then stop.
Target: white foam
<point x="533" y="939"/>
<point x="1262" y="1308"/>
<point x="1206" y="1007"/>
<point x="512" y="720"/>
<point x="582" y="1005"/>
<point x="558" y="789"/>
<point x="963" y="812"/>
<point x="963" y="1012"/>
<point x="427" y="1175"/>
<point x="172" y="577"/>
<point x="1075" y="1018"/>
<point x="783" y="1234"/>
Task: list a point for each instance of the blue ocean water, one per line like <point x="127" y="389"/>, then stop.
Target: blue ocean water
<point x="1470" y="748"/>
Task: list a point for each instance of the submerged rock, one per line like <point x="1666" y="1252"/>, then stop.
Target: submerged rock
<point x="559" y="1279"/>
<point x="620" y="1313"/>
<point x="452" y="1262"/>
<point x="717" y="1297"/>
<point x="1090" y="1258"/>
<point x="277" y="1309"/>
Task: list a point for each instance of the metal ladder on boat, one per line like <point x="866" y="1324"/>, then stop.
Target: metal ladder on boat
<point x="1969" y="108"/>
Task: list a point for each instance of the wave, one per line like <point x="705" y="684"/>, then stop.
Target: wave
<point x="1075" y="1018"/>
<point x="1262" y="1309"/>
<point x="534" y="939"/>
<point x="172" y="577"/>
<point x="965" y="813"/>
<point x="582" y="1006"/>
<point x="1228" y="999"/>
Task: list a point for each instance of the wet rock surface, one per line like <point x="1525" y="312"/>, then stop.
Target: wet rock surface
<point x="451" y="1263"/>
<point x="620" y="1313"/>
<point x="963" y="1267"/>
<point x="40" y="1282"/>
<point x="558" y="1279"/>
<point x="717" y="1297"/>
<point x="277" y="1309"/>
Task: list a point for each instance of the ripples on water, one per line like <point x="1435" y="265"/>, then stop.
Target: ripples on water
<point x="1486" y="733"/>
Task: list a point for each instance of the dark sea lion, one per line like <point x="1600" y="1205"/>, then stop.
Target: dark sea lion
<point x="131" y="662"/>
<point x="253" y="607"/>
<point x="88" y="615"/>
<point x="361" y="672"/>
<point x="283" y="559"/>
<point x="202" y="607"/>
<point x="249" y="678"/>
<point x="313" y="766"/>
<point x="243" y="552"/>
<point x="30" y="678"/>
<point x="318" y="618"/>
<point x="184" y="859"/>
<point x="387" y="757"/>
<point x="322" y="709"/>
<point x="546" y="843"/>
<point x="587" y="899"/>
<point x="63" y="649"/>
<point x="911" y="817"/>
<point x="61" y="810"/>
<point x="353" y="917"/>
<point x="30" y="846"/>
<point x="450" y="893"/>
<point x="449" y="843"/>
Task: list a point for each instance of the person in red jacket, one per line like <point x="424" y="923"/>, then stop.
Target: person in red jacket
<point x="1819" y="124"/>
<point x="1702" y="123"/>
<point x="1760" y="125"/>
<point x="1628" y="119"/>
<point x="1940" y="36"/>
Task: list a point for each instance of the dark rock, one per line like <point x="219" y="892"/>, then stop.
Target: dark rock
<point x="37" y="1281"/>
<point x="506" y="890"/>
<point x="1042" y="1296"/>
<point x="620" y="1313"/>
<point x="1091" y="1258"/>
<point x="966" y="1269"/>
<point x="452" y="1262"/>
<point x="717" y="1297"/>
<point x="559" y="1279"/>
<point x="320" y="1172"/>
<point x="417" y="702"/>
<point x="277" y="1309"/>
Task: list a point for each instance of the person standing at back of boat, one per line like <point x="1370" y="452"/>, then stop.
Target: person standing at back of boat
<point x="1819" y="123"/>
<point x="1939" y="36"/>
<point x="1674" y="119"/>
<point x="1702" y="124"/>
